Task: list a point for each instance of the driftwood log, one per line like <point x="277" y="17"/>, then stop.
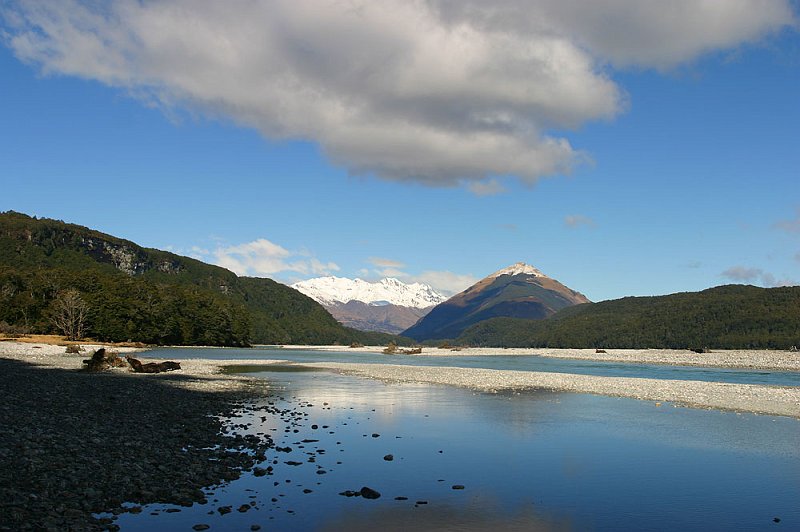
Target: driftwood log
<point x="102" y="360"/>
<point x="152" y="367"/>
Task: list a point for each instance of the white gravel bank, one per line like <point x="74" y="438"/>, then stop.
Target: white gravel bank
<point x="755" y="359"/>
<point x="774" y="400"/>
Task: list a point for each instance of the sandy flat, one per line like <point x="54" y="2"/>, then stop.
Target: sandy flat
<point x="755" y="359"/>
<point x="775" y="400"/>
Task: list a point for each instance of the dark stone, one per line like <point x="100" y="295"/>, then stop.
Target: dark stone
<point x="259" y="472"/>
<point x="458" y="487"/>
<point x="243" y="508"/>
<point x="369" y="493"/>
<point x="401" y="498"/>
<point x="306" y="490"/>
<point x="292" y="463"/>
<point x="422" y="502"/>
<point x="255" y="527"/>
<point x="776" y="520"/>
<point x="201" y="526"/>
<point x="224" y="510"/>
<point x="376" y="435"/>
<point x="388" y="457"/>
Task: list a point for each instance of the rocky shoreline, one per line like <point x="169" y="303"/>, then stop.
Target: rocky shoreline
<point x="75" y="444"/>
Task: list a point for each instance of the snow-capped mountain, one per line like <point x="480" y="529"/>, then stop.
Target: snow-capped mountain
<point x="518" y="291"/>
<point x="388" y="305"/>
<point x="331" y="290"/>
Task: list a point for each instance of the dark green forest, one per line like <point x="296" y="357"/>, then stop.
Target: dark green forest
<point x="151" y="296"/>
<point x="725" y="317"/>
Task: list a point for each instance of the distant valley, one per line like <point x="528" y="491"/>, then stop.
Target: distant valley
<point x="388" y="305"/>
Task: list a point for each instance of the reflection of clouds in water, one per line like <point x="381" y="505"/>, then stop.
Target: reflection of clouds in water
<point x="478" y="514"/>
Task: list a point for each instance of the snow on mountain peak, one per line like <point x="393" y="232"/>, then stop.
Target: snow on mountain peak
<point x="331" y="290"/>
<point x="517" y="269"/>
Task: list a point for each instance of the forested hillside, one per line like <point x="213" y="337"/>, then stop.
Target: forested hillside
<point x="725" y="317"/>
<point x="147" y="295"/>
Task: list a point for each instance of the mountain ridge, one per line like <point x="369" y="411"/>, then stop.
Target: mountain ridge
<point x="331" y="289"/>
<point x="519" y="290"/>
<point x="150" y="295"/>
<point x="722" y="317"/>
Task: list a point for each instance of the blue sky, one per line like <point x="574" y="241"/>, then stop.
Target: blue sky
<point x="640" y="168"/>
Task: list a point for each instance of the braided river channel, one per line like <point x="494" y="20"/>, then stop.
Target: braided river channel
<point x="447" y="458"/>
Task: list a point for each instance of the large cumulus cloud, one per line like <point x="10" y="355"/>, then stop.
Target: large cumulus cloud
<point x="441" y="92"/>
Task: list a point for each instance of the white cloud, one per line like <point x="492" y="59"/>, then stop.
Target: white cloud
<point x="574" y="221"/>
<point x="440" y="92"/>
<point x="646" y="33"/>
<point x="755" y="276"/>
<point x="262" y="258"/>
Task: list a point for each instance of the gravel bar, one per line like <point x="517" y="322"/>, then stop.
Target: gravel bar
<point x="731" y="358"/>
<point x="74" y="444"/>
<point x="773" y="400"/>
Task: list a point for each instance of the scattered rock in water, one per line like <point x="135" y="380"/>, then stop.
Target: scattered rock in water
<point x="224" y="510"/>
<point x="201" y="526"/>
<point x="458" y="487"/>
<point x="293" y="463"/>
<point x="172" y="510"/>
<point x="376" y="435"/>
<point x="421" y="502"/>
<point x="259" y="471"/>
<point x="306" y="490"/>
<point x="349" y="493"/>
<point x="388" y="457"/>
<point x="243" y="508"/>
<point x="776" y="520"/>
<point x="401" y="498"/>
<point x="369" y="493"/>
<point x="255" y="527"/>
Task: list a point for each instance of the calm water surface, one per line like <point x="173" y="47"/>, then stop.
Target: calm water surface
<point x="511" y="362"/>
<point x="527" y="461"/>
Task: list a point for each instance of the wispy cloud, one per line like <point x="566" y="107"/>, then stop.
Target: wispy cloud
<point x="792" y="225"/>
<point x="447" y="282"/>
<point x="438" y="92"/>
<point x="381" y="262"/>
<point x="262" y="258"/>
<point x="491" y="187"/>
<point x="755" y="276"/>
<point x="575" y="221"/>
